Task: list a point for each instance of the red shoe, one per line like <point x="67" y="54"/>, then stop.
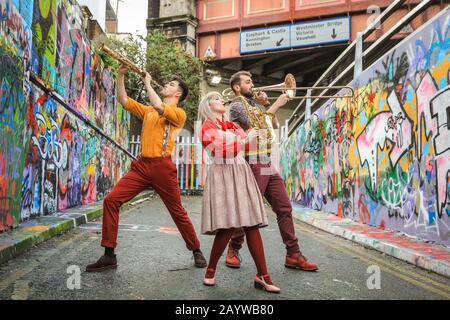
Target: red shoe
<point x="298" y="261"/>
<point x="233" y="259"/>
<point x="209" y="279"/>
<point x="263" y="282"/>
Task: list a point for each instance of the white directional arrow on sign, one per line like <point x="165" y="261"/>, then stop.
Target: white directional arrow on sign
<point x="324" y="31"/>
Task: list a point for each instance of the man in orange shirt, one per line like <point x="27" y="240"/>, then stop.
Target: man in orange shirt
<point x="154" y="168"/>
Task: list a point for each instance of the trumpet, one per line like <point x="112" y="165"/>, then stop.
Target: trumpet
<point x="126" y="62"/>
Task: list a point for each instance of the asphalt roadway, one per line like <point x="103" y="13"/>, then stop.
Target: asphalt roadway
<point x="155" y="264"/>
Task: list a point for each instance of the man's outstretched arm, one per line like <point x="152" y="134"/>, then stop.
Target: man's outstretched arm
<point x="121" y="92"/>
<point x="155" y="100"/>
<point x="138" y="109"/>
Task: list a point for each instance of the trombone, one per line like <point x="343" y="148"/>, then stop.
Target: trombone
<point x="126" y="62"/>
<point x="289" y="86"/>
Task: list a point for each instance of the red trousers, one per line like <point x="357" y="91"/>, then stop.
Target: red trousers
<point x="273" y="189"/>
<point x="159" y="174"/>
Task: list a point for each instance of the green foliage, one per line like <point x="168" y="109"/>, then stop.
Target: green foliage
<point x="166" y="58"/>
<point x="134" y="50"/>
<point x="162" y="58"/>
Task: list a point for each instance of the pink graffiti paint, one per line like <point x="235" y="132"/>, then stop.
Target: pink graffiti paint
<point x="425" y="92"/>
<point x="364" y="215"/>
<point x="400" y="240"/>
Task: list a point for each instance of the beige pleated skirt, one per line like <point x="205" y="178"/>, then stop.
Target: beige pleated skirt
<point x="231" y="197"/>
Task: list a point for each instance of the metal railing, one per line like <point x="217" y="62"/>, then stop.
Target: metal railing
<point x="353" y="58"/>
<point x="191" y="160"/>
<point x="135" y="145"/>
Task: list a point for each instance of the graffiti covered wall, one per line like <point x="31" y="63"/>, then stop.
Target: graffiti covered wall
<point x="383" y="158"/>
<point x="50" y="159"/>
<point x="15" y="57"/>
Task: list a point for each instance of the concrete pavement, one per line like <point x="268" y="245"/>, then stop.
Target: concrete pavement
<point x="35" y="231"/>
<point x="425" y="255"/>
<point x="422" y="254"/>
<point x="155" y="264"/>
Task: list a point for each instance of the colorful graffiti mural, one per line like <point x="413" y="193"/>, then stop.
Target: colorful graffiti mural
<point x="15" y="51"/>
<point x="67" y="162"/>
<point x="51" y="160"/>
<point x="73" y="59"/>
<point x="383" y="158"/>
<point x="44" y="40"/>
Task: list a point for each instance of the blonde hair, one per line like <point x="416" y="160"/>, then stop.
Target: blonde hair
<point x="204" y="110"/>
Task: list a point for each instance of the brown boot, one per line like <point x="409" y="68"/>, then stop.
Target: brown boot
<point x="104" y="263"/>
<point x="233" y="259"/>
<point x="199" y="259"/>
<point x="298" y="261"/>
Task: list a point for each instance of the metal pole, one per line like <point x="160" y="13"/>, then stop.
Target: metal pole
<point x="384" y="16"/>
<point x="358" y="57"/>
<point x="308" y="105"/>
<point x="393" y="30"/>
<point x="50" y="92"/>
<point x="117" y="15"/>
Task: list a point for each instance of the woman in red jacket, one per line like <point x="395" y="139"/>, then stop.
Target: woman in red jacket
<point x="231" y="197"/>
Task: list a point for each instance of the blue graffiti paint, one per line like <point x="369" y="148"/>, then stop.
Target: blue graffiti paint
<point x="363" y="118"/>
<point x="391" y="72"/>
<point x="431" y="213"/>
<point x="410" y="95"/>
<point x="4" y="14"/>
<point x="21" y="102"/>
<point x="90" y="149"/>
<point x="426" y="149"/>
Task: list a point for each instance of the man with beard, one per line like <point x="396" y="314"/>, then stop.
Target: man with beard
<point x="153" y="169"/>
<point x="246" y="111"/>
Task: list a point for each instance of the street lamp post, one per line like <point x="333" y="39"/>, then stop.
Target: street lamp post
<point x="117" y="7"/>
<point x="117" y="15"/>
